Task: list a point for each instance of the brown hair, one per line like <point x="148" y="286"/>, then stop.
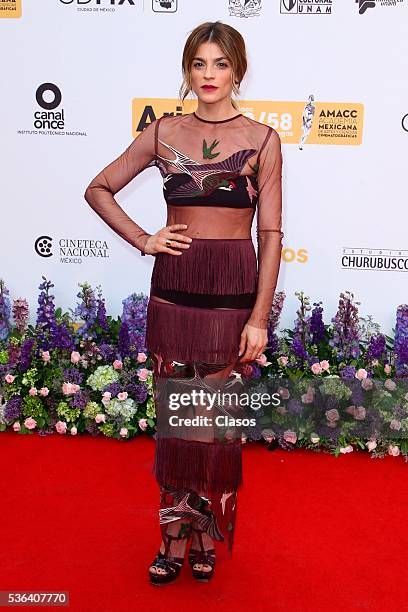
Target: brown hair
<point x="232" y="45"/>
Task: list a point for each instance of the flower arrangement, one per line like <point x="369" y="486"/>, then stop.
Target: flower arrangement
<point x="341" y="385"/>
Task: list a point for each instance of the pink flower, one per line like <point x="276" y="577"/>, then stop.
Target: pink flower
<point x="70" y="388"/>
<point x="268" y="435"/>
<point x="74" y="431"/>
<point x="143" y="424"/>
<point x="390" y="384"/>
<point x="123" y="432"/>
<point x="361" y="374"/>
<point x="9" y="378"/>
<point x="75" y="357"/>
<point x="283" y="360"/>
<point x="44" y="391"/>
<point x="290" y="436"/>
<point x="122" y="396"/>
<point x="117" y="364"/>
<point x="106" y="395"/>
<point x="367" y="384"/>
<point x="100" y="418"/>
<point x="33" y="391"/>
<point x="360" y="413"/>
<point x="395" y="424"/>
<point x="30" y="423"/>
<point x="325" y="365"/>
<point x="143" y="373"/>
<point x="61" y="427"/>
<point x="284" y="393"/>
<point x="393" y="450"/>
<point x="261" y="360"/>
<point x="387" y="368"/>
<point x="346" y="449"/>
<point x="316" y="368"/>
<point x="371" y="444"/>
<point x="45" y="356"/>
<point x="332" y="415"/>
<point x="141" y="357"/>
<point x="308" y="397"/>
<point x="16" y="426"/>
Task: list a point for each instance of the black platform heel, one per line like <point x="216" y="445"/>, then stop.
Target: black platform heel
<point x="170" y="563"/>
<point x="202" y="556"/>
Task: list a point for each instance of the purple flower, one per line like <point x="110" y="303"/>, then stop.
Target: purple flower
<point x="73" y="375"/>
<point x="345" y="340"/>
<point x="12" y="410"/>
<point x="401" y="340"/>
<point x="50" y="333"/>
<point x="108" y="352"/>
<point x="26" y="354"/>
<point x="348" y="372"/>
<point x="5" y="311"/>
<point x="113" y="388"/>
<point x="86" y="310"/>
<point x="301" y="334"/>
<point x="137" y="392"/>
<point x="316" y="323"/>
<point x="377" y="347"/>
<point x="20" y="314"/>
<point x="133" y="325"/>
<point x="80" y="399"/>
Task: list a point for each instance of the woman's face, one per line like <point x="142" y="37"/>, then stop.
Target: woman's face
<point x="211" y="74"/>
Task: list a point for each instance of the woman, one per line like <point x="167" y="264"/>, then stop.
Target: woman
<point x="209" y="300"/>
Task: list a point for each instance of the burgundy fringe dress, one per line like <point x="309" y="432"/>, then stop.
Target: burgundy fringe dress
<point x="216" y="174"/>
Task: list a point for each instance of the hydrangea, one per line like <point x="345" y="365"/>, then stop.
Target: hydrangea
<point x="33" y="407"/>
<point x="333" y="385"/>
<point x="67" y="413"/>
<point x="91" y="410"/>
<point x="108" y="429"/>
<point x="103" y="376"/>
<point x="125" y="408"/>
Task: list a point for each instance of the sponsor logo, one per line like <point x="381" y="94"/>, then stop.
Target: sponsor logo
<point x="306" y="7"/>
<point x="72" y="250"/>
<point x="379" y="260"/>
<point x="49" y="118"/>
<point x="10" y="9"/>
<point x="364" y="5"/>
<point x="244" y="8"/>
<point x="164" y="6"/>
<point x="311" y="121"/>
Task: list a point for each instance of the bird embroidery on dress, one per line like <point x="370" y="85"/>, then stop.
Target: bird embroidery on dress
<point x="191" y="506"/>
<point x="207" y="151"/>
<point x="250" y="189"/>
<point x="205" y="178"/>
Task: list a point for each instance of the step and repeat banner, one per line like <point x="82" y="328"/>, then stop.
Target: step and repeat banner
<point x="82" y="78"/>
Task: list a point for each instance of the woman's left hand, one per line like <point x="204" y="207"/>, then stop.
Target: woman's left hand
<point x="253" y="343"/>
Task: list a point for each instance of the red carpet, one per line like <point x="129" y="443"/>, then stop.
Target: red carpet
<point x="314" y="532"/>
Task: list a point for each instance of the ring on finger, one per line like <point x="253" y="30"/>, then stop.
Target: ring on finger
<point x="168" y="242"/>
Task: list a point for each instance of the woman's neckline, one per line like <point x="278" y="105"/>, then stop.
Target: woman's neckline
<point x="219" y="121"/>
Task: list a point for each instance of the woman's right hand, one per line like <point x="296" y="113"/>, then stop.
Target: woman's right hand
<point x="156" y="243"/>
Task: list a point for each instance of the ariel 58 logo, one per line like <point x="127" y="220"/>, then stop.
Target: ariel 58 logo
<point x="297" y="122"/>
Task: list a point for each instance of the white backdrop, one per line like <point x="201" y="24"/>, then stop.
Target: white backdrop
<point x="103" y="54"/>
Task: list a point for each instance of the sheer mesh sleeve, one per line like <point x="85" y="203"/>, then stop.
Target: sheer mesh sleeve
<point x="102" y="189"/>
<point x="269" y="223"/>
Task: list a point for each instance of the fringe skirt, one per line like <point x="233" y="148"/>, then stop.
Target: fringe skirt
<point x="194" y="342"/>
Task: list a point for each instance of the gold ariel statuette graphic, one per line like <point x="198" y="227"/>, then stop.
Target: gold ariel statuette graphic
<point x="207" y="151"/>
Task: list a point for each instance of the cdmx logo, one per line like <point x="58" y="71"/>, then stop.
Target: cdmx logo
<point x="363" y="5"/>
<point x="43" y="246"/>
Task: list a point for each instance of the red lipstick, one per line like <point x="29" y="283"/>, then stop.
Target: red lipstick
<point x="209" y="87"/>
